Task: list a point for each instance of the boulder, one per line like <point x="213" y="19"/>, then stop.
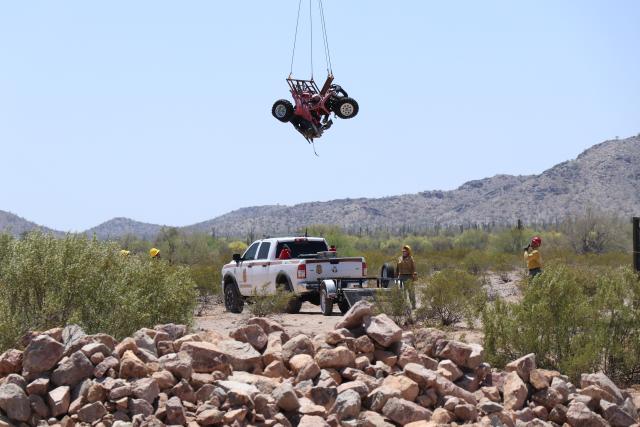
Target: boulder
<point x="356" y="315"/>
<point x="92" y="412"/>
<point x="523" y="366"/>
<point x="407" y="388"/>
<point x="174" y="331"/>
<point x="403" y="412"/>
<point x="300" y="344"/>
<point x="459" y="353"/>
<point x="338" y="358"/>
<point x="175" y="414"/>
<point x="146" y="388"/>
<point x="11" y="362"/>
<point x="72" y="370"/>
<point x="252" y="334"/>
<point x="42" y="354"/>
<point x="179" y="364"/>
<point x="615" y="415"/>
<point x="466" y="412"/>
<point x="347" y="405"/>
<point x="273" y="351"/>
<point x="449" y="370"/>
<point x="378" y="397"/>
<point x="131" y="366"/>
<point x="515" y="392"/>
<point x="103" y="367"/>
<point x="304" y="367"/>
<point x="286" y="398"/>
<point x="312" y="421"/>
<point x="579" y="415"/>
<point x="14" y="402"/>
<point x="206" y="357"/>
<point x="601" y="380"/>
<point x="39" y="386"/>
<point x="382" y="330"/>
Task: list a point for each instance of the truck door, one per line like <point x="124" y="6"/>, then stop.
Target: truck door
<point x="261" y="277"/>
<point x="245" y="276"/>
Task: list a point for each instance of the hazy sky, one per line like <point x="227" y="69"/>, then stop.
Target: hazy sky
<point x="161" y="110"/>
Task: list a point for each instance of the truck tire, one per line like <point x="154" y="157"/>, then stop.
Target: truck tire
<point x="294" y="306"/>
<point x="295" y="303"/>
<point x="388" y="271"/>
<point x="343" y="305"/>
<point x="233" y="301"/>
<point x="326" y="304"/>
<point x="282" y="110"/>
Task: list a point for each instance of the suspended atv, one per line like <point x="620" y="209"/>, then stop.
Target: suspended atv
<point x="313" y="106"/>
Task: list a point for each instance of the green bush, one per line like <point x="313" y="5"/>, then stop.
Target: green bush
<point x="394" y="302"/>
<point x="47" y="282"/>
<point x="262" y="303"/>
<point x="472" y="239"/>
<point x="475" y="262"/>
<point x="574" y="319"/>
<point x="450" y="296"/>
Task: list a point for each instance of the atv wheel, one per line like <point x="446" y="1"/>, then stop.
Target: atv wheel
<point x="388" y="272"/>
<point x="343" y="305"/>
<point x="346" y="108"/>
<point x="326" y="305"/>
<point x="233" y="301"/>
<point x="282" y="110"/>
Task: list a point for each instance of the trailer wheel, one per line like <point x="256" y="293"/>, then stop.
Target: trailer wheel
<point x="387" y="272"/>
<point x="343" y="305"/>
<point x="233" y="301"/>
<point x="326" y="304"/>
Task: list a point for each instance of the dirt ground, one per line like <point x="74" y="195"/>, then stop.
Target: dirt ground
<point x="311" y="322"/>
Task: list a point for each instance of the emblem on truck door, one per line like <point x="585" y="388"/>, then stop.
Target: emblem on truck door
<point x="318" y="269"/>
<point x="334" y="268"/>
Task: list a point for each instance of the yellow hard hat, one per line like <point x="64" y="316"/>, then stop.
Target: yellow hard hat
<point x="154" y="252"/>
<point x="124" y="252"/>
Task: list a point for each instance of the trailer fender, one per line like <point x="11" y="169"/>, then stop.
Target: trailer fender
<point x="330" y="286"/>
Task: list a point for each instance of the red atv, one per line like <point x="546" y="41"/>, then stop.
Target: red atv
<point x="313" y="106"/>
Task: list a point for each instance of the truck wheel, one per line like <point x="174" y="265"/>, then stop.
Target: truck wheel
<point x="326" y="304"/>
<point x="233" y="301"/>
<point x="388" y="271"/>
<point x="346" y="108"/>
<point x="282" y="110"/>
<point x="343" y="305"/>
<point x="294" y="306"/>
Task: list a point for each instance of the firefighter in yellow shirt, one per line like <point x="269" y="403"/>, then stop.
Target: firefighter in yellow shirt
<point x="532" y="256"/>
<point x="406" y="271"/>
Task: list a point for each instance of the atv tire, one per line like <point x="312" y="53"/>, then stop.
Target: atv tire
<point x="233" y="301"/>
<point x="346" y="108"/>
<point x="282" y="110"/>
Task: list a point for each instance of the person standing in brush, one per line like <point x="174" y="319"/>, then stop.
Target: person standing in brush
<point x="406" y="271"/>
<point x="532" y="256"/>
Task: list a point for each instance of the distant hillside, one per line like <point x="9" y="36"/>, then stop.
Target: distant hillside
<point x="118" y="227"/>
<point x="605" y="177"/>
<point x="13" y="224"/>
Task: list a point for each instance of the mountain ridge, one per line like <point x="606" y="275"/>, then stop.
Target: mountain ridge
<point x="606" y="177"/>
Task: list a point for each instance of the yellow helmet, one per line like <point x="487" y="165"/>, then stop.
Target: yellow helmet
<point x="154" y="252"/>
<point x="124" y="252"/>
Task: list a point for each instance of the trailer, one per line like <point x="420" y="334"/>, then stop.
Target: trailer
<point x="346" y="291"/>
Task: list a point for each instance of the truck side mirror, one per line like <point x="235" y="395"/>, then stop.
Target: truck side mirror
<point x="237" y="258"/>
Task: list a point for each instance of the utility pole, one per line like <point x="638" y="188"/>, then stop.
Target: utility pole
<point x="636" y="244"/>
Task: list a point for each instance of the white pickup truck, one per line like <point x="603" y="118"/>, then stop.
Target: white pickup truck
<point x="307" y="271"/>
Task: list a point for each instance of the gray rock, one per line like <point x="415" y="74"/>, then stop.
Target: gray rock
<point x="14" y="402"/>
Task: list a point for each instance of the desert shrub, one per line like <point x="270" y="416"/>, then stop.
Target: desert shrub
<point x="575" y="320"/>
<point x="237" y="247"/>
<point x="475" y="262"/>
<point x="394" y="302"/>
<point x="502" y="264"/>
<point x="441" y="243"/>
<point x="263" y="303"/>
<point x="472" y="239"/>
<point x="450" y="296"/>
<point x="47" y="282"/>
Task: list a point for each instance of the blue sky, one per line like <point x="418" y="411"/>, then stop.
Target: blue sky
<point x="160" y="110"/>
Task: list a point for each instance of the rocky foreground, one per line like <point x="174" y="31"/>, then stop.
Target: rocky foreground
<point x="367" y="372"/>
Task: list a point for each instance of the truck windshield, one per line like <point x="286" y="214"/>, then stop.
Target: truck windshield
<point x="302" y="247"/>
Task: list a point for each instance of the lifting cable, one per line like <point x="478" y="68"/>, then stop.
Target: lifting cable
<point x="325" y="39"/>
